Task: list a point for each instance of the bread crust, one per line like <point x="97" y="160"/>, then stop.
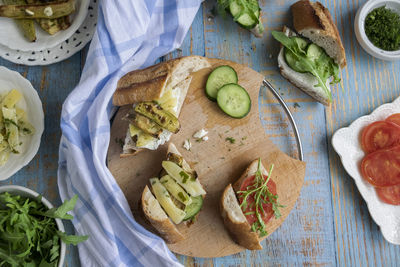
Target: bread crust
<point x="250" y="171"/>
<point x="165" y="227"/>
<point x="307" y="15"/>
<point x="149" y="84"/>
<point x="240" y="231"/>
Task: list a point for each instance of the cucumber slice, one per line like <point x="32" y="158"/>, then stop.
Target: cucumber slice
<point x="301" y="42"/>
<point x="234" y="8"/>
<point x="291" y="60"/>
<point x="314" y="52"/>
<point x="245" y="20"/>
<point x="219" y="77"/>
<point x="193" y="208"/>
<point x="234" y="100"/>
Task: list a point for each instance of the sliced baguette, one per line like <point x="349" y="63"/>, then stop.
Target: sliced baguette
<point x="149" y="84"/>
<point x="232" y="214"/>
<point x="156" y="215"/>
<point x="304" y="81"/>
<point x="314" y="21"/>
<point x="158" y="218"/>
<point x="236" y="222"/>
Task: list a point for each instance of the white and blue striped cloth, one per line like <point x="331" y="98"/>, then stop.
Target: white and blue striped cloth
<point x="131" y="34"/>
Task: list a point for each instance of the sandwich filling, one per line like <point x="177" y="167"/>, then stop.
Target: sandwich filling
<point x="153" y="123"/>
<point x="178" y="191"/>
<point x="258" y="200"/>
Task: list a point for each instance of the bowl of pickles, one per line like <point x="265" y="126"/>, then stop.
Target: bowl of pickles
<point x="36" y="25"/>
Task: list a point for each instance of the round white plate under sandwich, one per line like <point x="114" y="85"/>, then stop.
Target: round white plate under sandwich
<point x="33" y="107"/>
<point x="12" y="37"/>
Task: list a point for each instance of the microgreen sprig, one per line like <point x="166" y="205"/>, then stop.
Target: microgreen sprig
<point x="262" y="195"/>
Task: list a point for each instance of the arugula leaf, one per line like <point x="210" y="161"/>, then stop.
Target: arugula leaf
<point x="321" y="68"/>
<point x="261" y="194"/>
<point x="28" y="232"/>
<point x="61" y="212"/>
<point x="72" y="239"/>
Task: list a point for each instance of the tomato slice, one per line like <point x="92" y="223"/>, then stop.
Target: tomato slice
<point x="380" y="135"/>
<point x="267" y="207"/>
<point x="382" y="168"/>
<point x="390" y="194"/>
<point x="395" y="118"/>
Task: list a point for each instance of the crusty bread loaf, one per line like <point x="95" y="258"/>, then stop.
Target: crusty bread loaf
<point x="158" y="218"/>
<point x="236" y="222"/>
<point x="150" y="83"/>
<point x="232" y="214"/>
<point x="313" y="20"/>
<point x="304" y="81"/>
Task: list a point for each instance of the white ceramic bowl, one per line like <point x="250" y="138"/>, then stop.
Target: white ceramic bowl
<point x="26" y="192"/>
<point x="346" y="142"/>
<point x="33" y="106"/>
<point x="359" y="29"/>
<point x="11" y="36"/>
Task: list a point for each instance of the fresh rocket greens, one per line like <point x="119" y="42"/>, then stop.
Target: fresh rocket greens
<point x="28" y="232"/>
<point x="262" y="195"/>
<point x="322" y="67"/>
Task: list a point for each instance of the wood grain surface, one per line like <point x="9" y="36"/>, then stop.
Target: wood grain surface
<point x="330" y="225"/>
<point x="217" y="161"/>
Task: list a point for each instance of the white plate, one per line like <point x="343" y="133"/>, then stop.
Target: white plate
<point x="346" y="142"/>
<point x="33" y="106"/>
<point x="12" y="37"/>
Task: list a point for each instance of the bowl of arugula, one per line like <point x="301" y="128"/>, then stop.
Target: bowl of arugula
<point x="31" y="230"/>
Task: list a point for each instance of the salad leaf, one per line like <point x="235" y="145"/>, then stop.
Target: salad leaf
<point x="28" y="232"/>
<point x="322" y="67"/>
<point x="72" y="239"/>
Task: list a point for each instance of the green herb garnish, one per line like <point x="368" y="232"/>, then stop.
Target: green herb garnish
<point x="382" y="27"/>
<point x="230" y="139"/>
<point x="184" y="176"/>
<point x="28" y="232"/>
<point x="262" y="195"/>
<point x="321" y="68"/>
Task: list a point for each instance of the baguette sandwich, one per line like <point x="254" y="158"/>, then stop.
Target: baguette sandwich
<point x="156" y="94"/>
<point x="175" y="198"/>
<point x="311" y="63"/>
<point x="248" y="205"/>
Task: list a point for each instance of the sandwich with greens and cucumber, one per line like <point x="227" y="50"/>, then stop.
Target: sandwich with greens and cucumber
<point x="156" y="95"/>
<point x="311" y="59"/>
<point x="246" y="13"/>
<point x="173" y="198"/>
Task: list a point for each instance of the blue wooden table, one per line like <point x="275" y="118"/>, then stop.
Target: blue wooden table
<point x="330" y="224"/>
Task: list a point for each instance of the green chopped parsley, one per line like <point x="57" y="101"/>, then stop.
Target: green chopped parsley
<point x="382" y="26"/>
<point x="230" y="139"/>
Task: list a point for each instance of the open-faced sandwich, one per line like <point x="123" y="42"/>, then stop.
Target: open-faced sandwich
<point x="248" y="206"/>
<point x="173" y="198"/>
<point x="156" y="94"/>
<point x="311" y="59"/>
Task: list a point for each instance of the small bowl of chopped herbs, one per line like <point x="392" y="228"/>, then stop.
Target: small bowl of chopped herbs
<point x="377" y="28"/>
<point x="31" y="230"/>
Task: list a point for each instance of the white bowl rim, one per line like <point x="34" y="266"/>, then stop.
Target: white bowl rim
<point x="30" y="192"/>
<point x="362" y="38"/>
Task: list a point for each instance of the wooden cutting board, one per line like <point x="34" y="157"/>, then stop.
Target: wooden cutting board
<point x="217" y="161"/>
